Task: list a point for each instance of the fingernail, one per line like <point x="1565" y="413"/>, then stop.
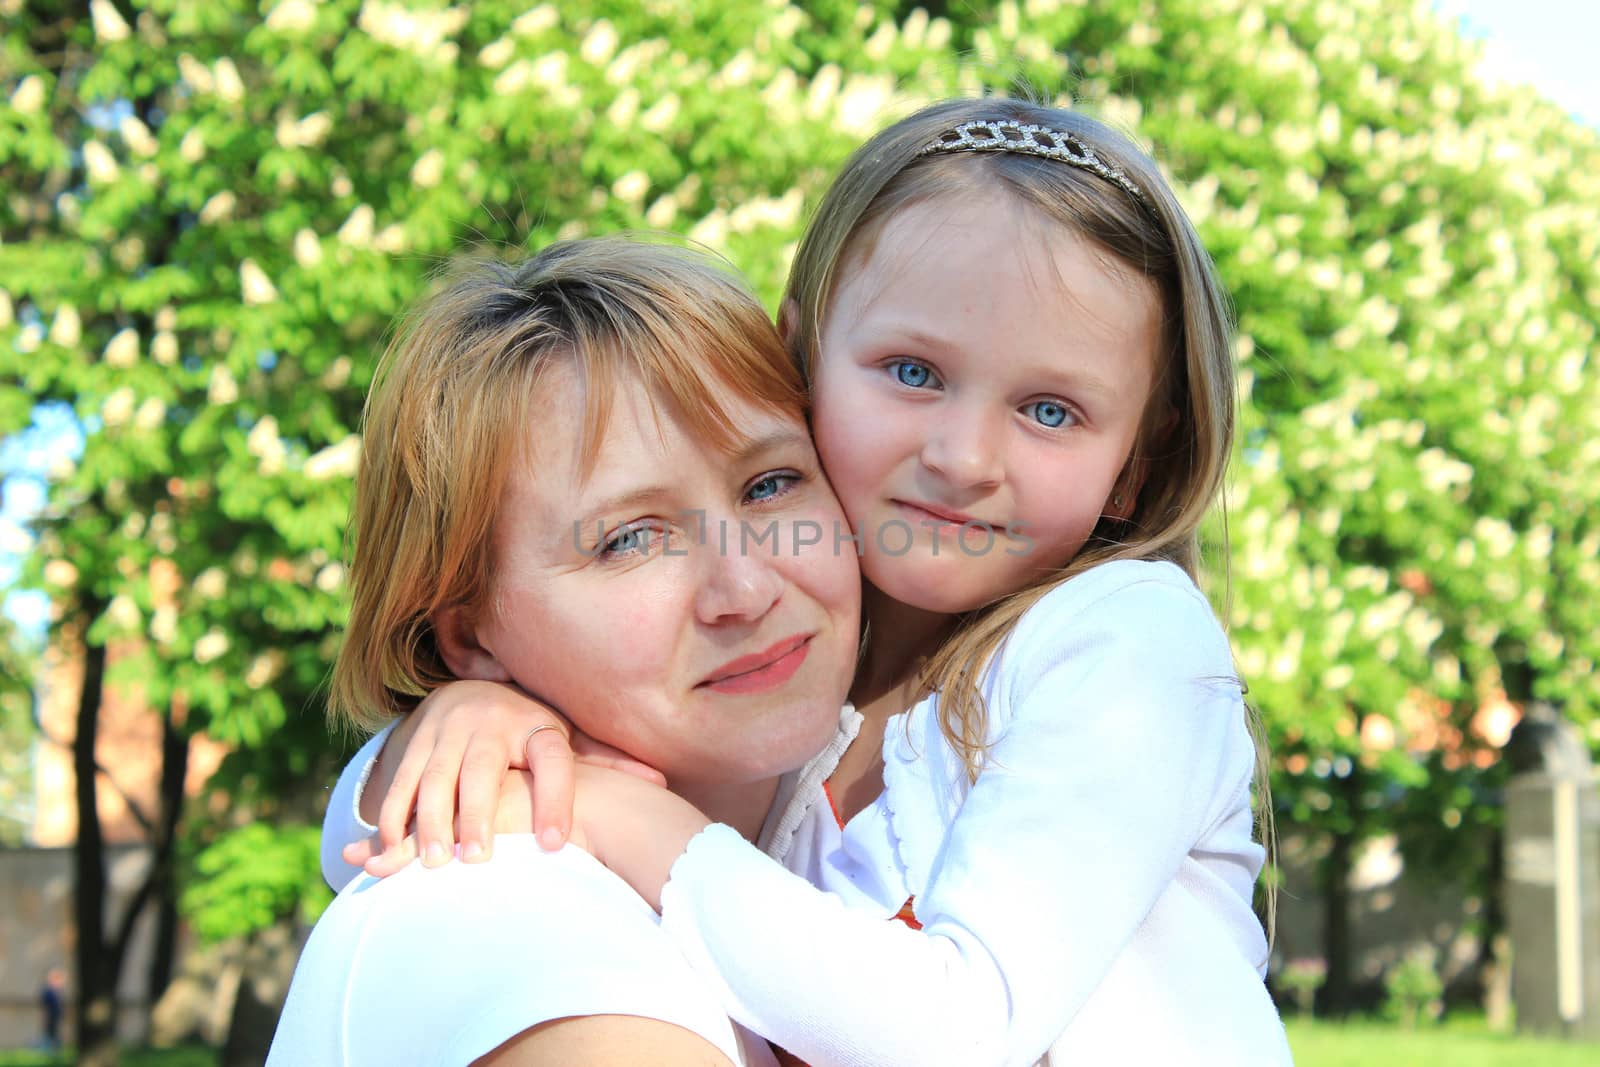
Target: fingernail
<point x="472" y="852"/>
<point x="550" y="839"/>
<point x="435" y="856"/>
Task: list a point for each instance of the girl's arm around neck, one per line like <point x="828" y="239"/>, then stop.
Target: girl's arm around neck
<point x="1120" y="736"/>
<point x="636" y="828"/>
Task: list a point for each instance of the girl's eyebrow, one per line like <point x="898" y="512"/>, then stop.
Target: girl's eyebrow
<point x="1066" y="380"/>
<point x="1073" y="381"/>
<point x="924" y="340"/>
<point x="913" y="337"/>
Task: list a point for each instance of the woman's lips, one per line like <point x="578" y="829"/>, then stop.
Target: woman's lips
<point x="762" y="670"/>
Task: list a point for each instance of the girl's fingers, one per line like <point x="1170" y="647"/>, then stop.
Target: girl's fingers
<point x="436" y="799"/>
<point x="482" y="770"/>
<point x="599" y="754"/>
<point x="357" y="853"/>
<point x="394" y="817"/>
<point x="392" y="858"/>
<point x="550" y="759"/>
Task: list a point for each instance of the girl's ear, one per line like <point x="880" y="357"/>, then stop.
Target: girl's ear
<point x="1125" y="493"/>
<point x="1124" y="496"/>
<point x="788" y="322"/>
<point x="460" y="648"/>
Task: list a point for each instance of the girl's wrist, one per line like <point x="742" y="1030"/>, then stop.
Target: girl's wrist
<point x="637" y="829"/>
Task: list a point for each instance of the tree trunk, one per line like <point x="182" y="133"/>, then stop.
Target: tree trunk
<point x="96" y="993"/>
<point x="1494" y="959"/>
<point x="163" y="865"/>
<point x="269" y="959"/>
<point x="1337" y="993"/>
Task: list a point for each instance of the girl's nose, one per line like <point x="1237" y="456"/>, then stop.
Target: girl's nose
<point x="964" y="448"/>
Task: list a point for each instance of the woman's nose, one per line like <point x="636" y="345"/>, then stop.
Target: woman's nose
<point x="739" y="580"/>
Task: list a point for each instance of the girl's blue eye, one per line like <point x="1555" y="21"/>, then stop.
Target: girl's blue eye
<point x="1048" y="413"/>
<point x="913" y="374"/>
<point x="769" y="486"/>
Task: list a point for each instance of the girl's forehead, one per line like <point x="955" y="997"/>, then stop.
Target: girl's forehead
<point x="952" y="246"/>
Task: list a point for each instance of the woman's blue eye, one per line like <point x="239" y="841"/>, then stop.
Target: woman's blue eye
<point x="770" y="486"/>
<point x="629" y="540"/>
<point x="1048" y="413"/>
<point x="913" y="374"/>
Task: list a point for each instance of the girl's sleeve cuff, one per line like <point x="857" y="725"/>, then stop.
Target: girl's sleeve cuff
<point x="342" y="823"/>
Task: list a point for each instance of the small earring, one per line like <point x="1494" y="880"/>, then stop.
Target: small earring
<point x="1116" y="501"/>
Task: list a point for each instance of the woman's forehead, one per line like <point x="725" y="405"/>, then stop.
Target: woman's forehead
<point x="585" y="434"/>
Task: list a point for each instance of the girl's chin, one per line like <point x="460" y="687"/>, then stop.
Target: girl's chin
<point x="943" y="587"/>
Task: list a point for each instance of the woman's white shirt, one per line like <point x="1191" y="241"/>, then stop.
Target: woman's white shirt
<point x="442" y="966"/>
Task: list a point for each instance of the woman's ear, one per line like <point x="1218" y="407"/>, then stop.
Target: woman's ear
<point x="456" y="632"/>
<point x="788" y="322"/>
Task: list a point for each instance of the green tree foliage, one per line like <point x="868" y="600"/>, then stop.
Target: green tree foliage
<point x="212" y="212"/>
<point x="17" y="733"/>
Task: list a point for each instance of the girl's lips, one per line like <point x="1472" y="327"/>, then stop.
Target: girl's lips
<point x="954" y="518"/>
<point x="763" y="670"/>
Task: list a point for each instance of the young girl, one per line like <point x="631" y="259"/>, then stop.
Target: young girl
<point x="1022" y="394"/>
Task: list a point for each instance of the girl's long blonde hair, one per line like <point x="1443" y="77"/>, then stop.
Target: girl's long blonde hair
<point x="1187" y="434"/>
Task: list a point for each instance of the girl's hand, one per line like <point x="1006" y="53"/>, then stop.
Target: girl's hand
<point x="514" y="813"/>
<point x="630" y="823"/>
<point x="462" y="739"/>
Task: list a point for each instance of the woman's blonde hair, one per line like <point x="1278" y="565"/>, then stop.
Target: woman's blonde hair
<point x="452" y="403"/>
<point x="1187" y="433"/>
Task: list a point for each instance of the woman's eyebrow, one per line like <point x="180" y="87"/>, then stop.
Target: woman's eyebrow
<point x="752" y="447"/>
<point x="746" y="450"/>
<point x="626" y="500"/>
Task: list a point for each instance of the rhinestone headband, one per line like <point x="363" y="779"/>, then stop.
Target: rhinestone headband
<point x="1002" y="135"/>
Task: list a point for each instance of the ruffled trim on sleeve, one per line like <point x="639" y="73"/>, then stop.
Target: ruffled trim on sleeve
<point x="921" y="790"/>
<point x="799" y="790"/>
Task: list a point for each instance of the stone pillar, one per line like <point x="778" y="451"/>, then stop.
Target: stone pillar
<point x="1552" y="888"/>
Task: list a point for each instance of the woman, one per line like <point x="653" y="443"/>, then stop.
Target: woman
<point x="515" y="410"/>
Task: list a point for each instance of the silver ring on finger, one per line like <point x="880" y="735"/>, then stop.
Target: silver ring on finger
<point x="528" y="737"/>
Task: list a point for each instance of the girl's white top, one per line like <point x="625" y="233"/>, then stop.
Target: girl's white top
<point x="443" y="966"/>
<point x="1089" y="897"/>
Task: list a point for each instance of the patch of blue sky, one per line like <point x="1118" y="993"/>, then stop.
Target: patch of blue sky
<point x="1548" y="44"/>
<point x="26" y="459"/>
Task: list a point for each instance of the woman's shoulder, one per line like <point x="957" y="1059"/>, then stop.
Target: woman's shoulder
<point x="482" y="916"/>
<point x="494" y="948"/>
<point x="517" y="859"/>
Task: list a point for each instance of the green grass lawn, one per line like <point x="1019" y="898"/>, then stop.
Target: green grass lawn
<point x="1316" y="1044"/>
<point x="188" y="1056"/>
<point x="1466" y="1044"/>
